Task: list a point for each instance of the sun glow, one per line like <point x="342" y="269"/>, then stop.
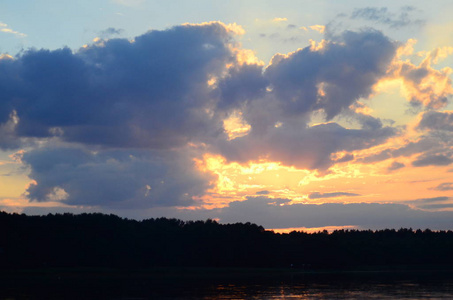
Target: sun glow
<point x="274" y="180"/>
<point x="235" y="126"/>
<point x="248" y="179"/>
<point x="314" y="229"/>
<point x="383" y="181"/>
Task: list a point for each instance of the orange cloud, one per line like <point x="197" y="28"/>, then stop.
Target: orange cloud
<point x="422" y="84"/>
<point x="278" y="20"/>
<point x="318" y="28"/>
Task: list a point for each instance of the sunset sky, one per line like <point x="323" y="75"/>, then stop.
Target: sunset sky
<point x="289" y="114"/>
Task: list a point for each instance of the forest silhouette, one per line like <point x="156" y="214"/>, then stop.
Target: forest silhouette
<point x="108" y="241"/>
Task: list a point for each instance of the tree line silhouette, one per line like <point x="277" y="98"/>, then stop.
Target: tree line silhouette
<point x="100" y="240"/>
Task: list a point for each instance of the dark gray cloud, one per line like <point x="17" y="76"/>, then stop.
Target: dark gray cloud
<point x="432" y="149"/>
<point x="382" y="15"/>
<point x="318" y="195"/>
<point x="424" y="144"/>
<point x="297" y="78"/>
<point x="149" y="93"/>
<point x="264" y="192"/>
<point x="435" y="203"/>
<point x="395" y="166"/>
<point x="309" y="148"/>
<point x="432" y="160"/>
<point x="115" y="178"/>
<point x="239" y="86"/>
<point x="109" y="32"/>
<point x="434" y="120"/>
<point x="261" y="210"/>
<point x="446" y="186"/>
<point x="437" y="206"/>
<point x="380" y="156"/>
<point x="8" y="137"/>
<point x="430" y="200"/>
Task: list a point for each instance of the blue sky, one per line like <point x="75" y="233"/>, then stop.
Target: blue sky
<point x="51" y="25"/>
<point x="263" y="111"/>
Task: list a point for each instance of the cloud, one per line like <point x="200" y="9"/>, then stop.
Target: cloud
<point x="6" y="29"/>
<point x="446" y="186"/>
<point x="311" y="79"/>
<point x="437" y="206"/>
<point x="434" y="120"/>
<point x="318" y="28"/>
<point x="239" y="86"/>
<point x="260" y="210"/>
<point x="110" y="32"/>
<point x="318" y="195"/>
<point x="423" y="85"/>
<point x="377" y="157"/>
<point x="7" y="133"/>
<point x="430" y="200"/>
<point x="151" y="92"/>
<point x="433" y="148"/>
<point x="383" y="16"/>
<point x="345" y="158"/>
<point x="118" y="93"/>
<point x="114" y="119"/>
<point x="306" y="148"/>
<point x="114" y="178"/>
<point x="296" y="85"/>
<point x="426" y="86"/>
<point x="278" y="20"/>
<point x="395" y="166"/>
<point x="435" y="203"/>
<point x="432" y="160"/>
<point x="264" y="192"/>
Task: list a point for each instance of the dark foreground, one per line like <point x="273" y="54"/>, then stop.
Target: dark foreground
<point x="110" y="242"/>
<point x="221" y="283"/>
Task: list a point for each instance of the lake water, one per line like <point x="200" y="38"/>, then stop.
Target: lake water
<point x="386" y="285"/>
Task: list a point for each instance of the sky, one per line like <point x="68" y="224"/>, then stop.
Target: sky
<point x="290" y="114"/>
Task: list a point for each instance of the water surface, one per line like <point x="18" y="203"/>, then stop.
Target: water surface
<point x="328" y="285"/>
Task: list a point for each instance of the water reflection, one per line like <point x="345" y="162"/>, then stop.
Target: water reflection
<point x="413" y="285"/>
<point x="342" y="288"/>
